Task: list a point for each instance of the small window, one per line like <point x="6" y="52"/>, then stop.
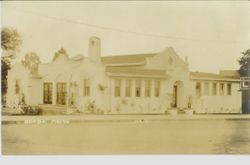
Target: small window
<point x="222" y="89"/>
<point x="198" y="89"/>
<point x="229" y="89"/>
<point x="117" y="88"/>
<point x="17" y="87"/>
<point x="246" y="84"/>
<point x="128" y="88"/>
<point x="206" y="90"/>
<point x="138" y="88"/>
<point x="147" y="88"/>
<point x="214" y="89"/>
<point x="86" y="87"/>
<point x="157" y="88"/>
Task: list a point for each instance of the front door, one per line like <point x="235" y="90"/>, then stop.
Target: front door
<point x="47" y="93"/>
<point x="175" y="95"/>
<point x="61" y="93"/>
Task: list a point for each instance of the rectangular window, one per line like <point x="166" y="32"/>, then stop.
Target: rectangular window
<point x="138" y="88"/>
<point x="17" y="87"/>
<point x="229" y="89"/>
<point x="198" y="88"/>
<point x="157" y="88"/>
<point x="245" y="84"/>
<point x="86" y="87"/>
<point x="117" y="88"/>
<point x="47" y="93"/>
<point x="206" y="88"/>
<point x="128" y="88"/>
<point x="221" y="89"/>
<point x="147" y="88"/>
<point x="61" y="93"/>
<point x="214" y="89"/>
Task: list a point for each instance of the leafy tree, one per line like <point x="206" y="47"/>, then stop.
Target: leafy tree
<point x="10" y="43"/>
<point x="5" y="67"/>
<point x="244" y="71"/>
<point x="31" y="61"/>
<point x="244" y="62"/>
<point x="59" y="52"/>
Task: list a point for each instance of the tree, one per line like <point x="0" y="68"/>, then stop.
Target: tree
<point x="10" y="43"/>
<point x="244" y="62"/>
<point x="5" y="67"/>
<point x="60" y="52"/>
<point x="31" y="61"/>
<point x="244" y="71"/>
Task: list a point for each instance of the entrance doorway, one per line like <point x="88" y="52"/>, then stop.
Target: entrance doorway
<point x="61" y="93"/>
<point x="178" y="94"/>
<point x="175" y="95"/>
<point x="47" y="93"/>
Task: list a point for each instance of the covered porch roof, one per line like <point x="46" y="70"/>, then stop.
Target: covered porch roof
<point x="135" y="72"/>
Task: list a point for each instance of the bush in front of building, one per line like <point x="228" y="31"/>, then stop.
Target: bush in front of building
<point x="29" y="110"/>
<point x="92" y="109"/>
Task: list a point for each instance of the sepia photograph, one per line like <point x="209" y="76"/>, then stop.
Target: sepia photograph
<point x="125" y="77"/>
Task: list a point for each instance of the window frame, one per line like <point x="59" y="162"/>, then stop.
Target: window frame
<point x="147" y="88"/>
<point x="206" y="88"/>
<point x="138" y="88"/>
<point x="47" y="92"/>
<point x="198" y="91"/>
<point x="86" y="87"/>
<point x="214" y="89"/>
<point x="128" y="84"/>
<point x="157" y="87"/>
<point x="222" y="90"/>
<point x="229" y="90"/>
<point x="117" y="88"/>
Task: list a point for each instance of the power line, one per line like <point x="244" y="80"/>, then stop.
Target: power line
<point x="121" y="30"/>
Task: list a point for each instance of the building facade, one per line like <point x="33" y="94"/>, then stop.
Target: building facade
<point x="139" y="83"/>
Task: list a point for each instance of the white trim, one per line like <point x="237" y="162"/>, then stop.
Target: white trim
<point x="136" y="76"/>
<point x="216" y="79"/>
<point x="126" y="64"/>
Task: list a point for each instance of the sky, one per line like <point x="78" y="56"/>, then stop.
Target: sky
<point x="211" y="34"/>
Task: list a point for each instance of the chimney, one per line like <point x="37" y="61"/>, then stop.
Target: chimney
<point x="94" y="52"/>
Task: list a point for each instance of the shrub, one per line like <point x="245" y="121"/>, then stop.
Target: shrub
<point x="90" y="105"/>
<point x="28" y="110"/>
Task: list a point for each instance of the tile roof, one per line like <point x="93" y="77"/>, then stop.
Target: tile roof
<point x="204" y="75"/>
<point x="230" y="73"/>
<point x="125" y="59"/>
<point x="136" y="71"/>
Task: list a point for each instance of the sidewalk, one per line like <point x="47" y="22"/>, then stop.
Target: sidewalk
<point x="132" y="117"/>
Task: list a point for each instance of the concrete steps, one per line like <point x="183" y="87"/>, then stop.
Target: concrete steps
<point x="49" y="109"/>
<point x="181" y="111"/>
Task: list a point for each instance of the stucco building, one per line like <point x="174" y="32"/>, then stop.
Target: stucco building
<point x="139" y="83"/>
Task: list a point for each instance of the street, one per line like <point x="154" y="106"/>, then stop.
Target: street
<point x="128" y="137"/>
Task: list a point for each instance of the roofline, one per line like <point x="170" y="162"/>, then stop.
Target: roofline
<point x="127" y="64"/>
<point x="216" y="79"/>
<point x="139" y="54"/>
<point x="135" y="76"/>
